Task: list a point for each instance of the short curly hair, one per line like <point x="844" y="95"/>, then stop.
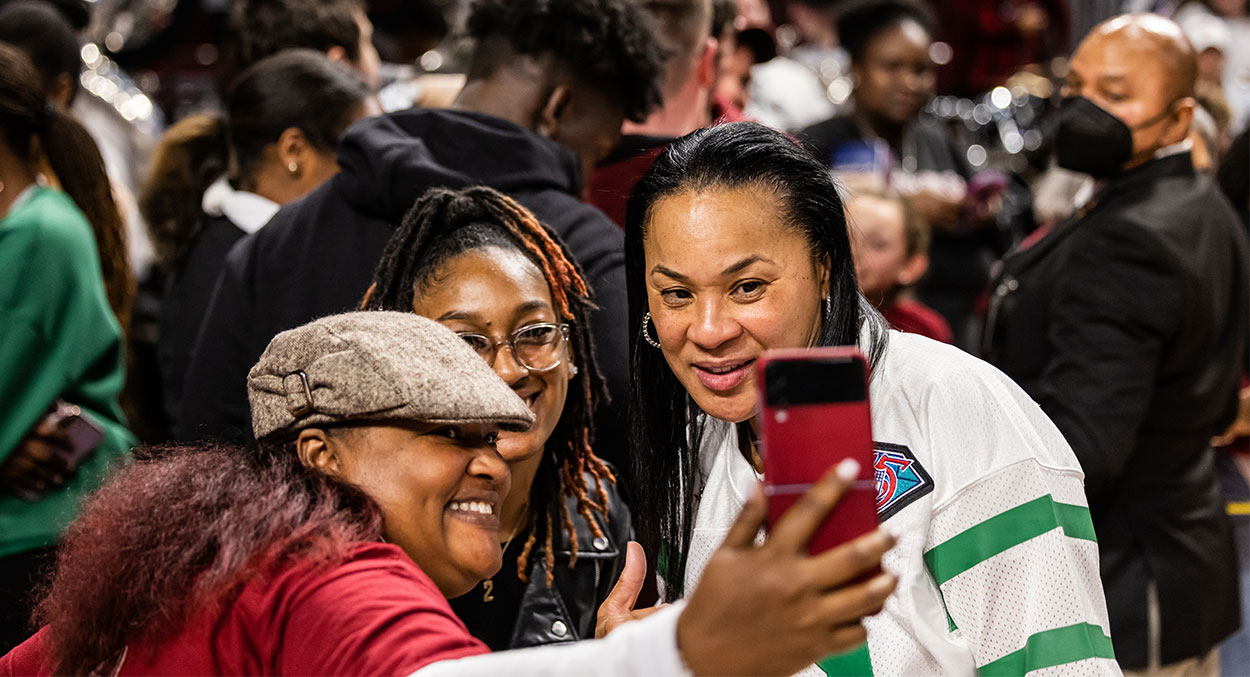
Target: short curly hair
<point x="610" y="44"/>
<point x="265" y="27"/>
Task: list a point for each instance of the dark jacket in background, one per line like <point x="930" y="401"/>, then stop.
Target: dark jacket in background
<point x="317" y="255"/>
<point x="186" y="301"/>
<point x="1128" y="325"/>
<point x="534" y="614"/>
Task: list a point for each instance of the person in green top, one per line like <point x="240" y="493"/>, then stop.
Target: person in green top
<point x="60" y="338"/>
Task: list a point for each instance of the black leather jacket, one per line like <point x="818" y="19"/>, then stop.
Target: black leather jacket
<point x="566" y="611"/>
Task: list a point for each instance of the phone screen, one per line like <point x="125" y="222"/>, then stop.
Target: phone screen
<point x="796" y="382"/>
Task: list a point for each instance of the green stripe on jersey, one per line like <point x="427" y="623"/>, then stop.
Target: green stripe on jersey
<point x="854" y="663"/>
<point x="1005" y="530"/>
<point x="1053" y="647"/>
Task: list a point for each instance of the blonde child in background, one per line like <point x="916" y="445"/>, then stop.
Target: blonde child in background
<point x="890" y="243"/>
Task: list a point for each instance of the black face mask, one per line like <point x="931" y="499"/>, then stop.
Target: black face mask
<point x="1092" y="141"/>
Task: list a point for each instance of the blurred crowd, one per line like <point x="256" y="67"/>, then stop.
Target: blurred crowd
<point x="1059" y="189"/>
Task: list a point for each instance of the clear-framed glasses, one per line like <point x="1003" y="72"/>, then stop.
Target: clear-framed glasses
<point x="537" y="347"/>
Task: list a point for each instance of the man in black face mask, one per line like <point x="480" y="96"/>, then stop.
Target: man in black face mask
<point x="1128" y="324"/>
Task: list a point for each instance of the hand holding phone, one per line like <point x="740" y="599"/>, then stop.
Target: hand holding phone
<point x="815" y="414"/>
<point x="50" y="453"/>
<point x="807" y="606"/>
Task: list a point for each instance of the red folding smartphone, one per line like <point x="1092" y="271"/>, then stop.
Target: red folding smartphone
<point x="814" y="414"/>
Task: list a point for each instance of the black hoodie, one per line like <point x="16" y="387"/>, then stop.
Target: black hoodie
<point x="317" y="255"/>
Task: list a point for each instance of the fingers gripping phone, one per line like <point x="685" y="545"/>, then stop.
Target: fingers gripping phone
<point x="815" y="414"/>
<point x="71" y="435"/>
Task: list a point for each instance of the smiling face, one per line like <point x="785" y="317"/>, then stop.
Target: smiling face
<point x="896" y="77"/>
<point x="726" y="280"/>
<point x="439" y="487"/>
<point x="494" y="292"/>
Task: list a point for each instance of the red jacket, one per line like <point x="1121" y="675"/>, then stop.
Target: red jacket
<point x="915" y="317"/>
<point x="376" y="613"/>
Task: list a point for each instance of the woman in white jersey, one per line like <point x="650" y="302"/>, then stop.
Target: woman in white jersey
<point x="737" y="243"/>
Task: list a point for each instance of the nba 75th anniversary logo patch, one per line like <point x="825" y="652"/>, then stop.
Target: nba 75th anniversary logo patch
<point x="900" y="478"/>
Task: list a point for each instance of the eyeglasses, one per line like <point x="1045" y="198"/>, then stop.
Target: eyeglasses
<point x="535" y="347"/>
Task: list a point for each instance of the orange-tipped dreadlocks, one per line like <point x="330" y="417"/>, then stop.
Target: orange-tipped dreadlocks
<point x="445" y="223"/>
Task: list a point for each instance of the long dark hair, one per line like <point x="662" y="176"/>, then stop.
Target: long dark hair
<point x="178" y="533"/>
<point x="444" y="223"/>
<point x="298" y="88"/>
<point x="28" y="122"/>
<point x="665" y="436"/>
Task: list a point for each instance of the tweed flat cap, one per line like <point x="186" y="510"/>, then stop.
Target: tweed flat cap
<point x="376" y="366"/>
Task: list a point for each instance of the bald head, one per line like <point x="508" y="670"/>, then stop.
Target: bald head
<point x="1140" y="69"/>
<point x="1159" y="43"/>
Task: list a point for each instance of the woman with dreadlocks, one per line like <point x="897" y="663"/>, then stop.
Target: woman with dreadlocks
<point x="482" y="265"/>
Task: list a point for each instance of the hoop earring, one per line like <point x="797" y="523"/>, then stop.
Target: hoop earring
<point x="646" y="318"/>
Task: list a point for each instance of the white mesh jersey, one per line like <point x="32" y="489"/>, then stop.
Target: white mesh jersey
<point x="996" y="558"/>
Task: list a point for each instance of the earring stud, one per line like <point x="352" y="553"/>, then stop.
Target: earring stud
<point x="292" y="167"/>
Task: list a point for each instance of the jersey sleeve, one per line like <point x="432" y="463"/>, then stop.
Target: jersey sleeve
<point x="644" y="647"/>
<point x="375" y="614"/>
<point x="1011" y="545"/>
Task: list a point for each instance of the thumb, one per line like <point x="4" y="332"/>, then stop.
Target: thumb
<point x="629" y="584"/>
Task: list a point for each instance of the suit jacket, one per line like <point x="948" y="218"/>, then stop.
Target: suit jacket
<point x="1128" y="325"/>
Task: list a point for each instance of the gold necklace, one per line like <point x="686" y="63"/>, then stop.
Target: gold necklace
<point x="488" y="585"/>
<point x="508" y="542"/>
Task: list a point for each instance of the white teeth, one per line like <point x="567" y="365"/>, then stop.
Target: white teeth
<point x="722" y="370"/>
<point x="474" y="506"/>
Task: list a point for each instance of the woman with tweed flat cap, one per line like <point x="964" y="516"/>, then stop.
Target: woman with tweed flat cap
<point x="373" y="497"/>
<point x="482" y="265"/>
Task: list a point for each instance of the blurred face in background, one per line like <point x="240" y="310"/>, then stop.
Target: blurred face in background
<point x="1211" y="66"/>
<point x="734" y="80"/>
<point x="1229" y="8"/>
<point x="883" y="264"/>
<point x="895" y="78"/>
